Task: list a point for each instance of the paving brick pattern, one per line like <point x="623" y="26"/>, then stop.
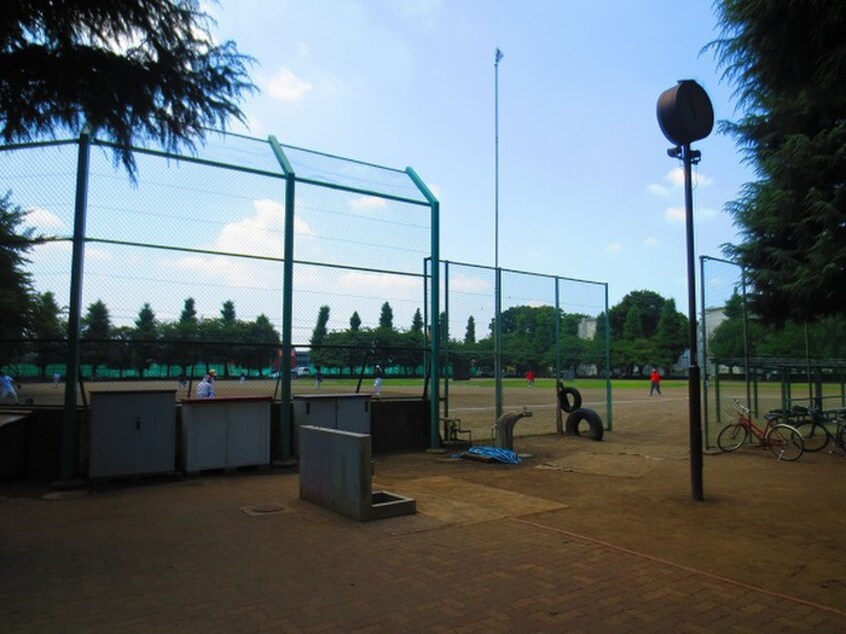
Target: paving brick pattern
<point x="185" y="557"/>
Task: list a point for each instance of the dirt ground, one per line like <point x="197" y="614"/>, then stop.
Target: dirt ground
<point x="770" y="524"/>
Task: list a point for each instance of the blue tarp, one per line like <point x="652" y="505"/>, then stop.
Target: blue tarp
<point x="500" y="455"/>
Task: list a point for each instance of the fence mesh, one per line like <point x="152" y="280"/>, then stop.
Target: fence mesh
<point x="184" y="272"/>
<point x="535" y="351"/>
<point x="183" y="268"/>
<point x="766" y="368"/>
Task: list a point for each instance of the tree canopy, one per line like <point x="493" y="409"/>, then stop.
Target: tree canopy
<point x="787" y="62"/>
<point x="133" y="70"/>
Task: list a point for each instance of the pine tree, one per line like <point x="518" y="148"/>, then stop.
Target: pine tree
<point x="788" y="63"/>
<point x="168" y="80"/>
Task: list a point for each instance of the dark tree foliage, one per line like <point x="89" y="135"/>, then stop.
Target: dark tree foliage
<point x="15" y="283"/>
<point x="134" y="70"/>
<point x="649" y="305"/>
<point x="787" y="61"/>
<point x="386" y="317"/>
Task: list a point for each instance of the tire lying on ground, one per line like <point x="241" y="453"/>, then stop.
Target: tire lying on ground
<point x="587" y="415"/>
<point x="564" y="394"/>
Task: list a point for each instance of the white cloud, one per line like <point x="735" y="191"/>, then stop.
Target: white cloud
<point x="701" y="180"/>
<point x="464" y="284"/>
<point x="674" y="214"/>
<point x="286" y="86"/>
<point x="260" y="234"/>
<point x="40" y="218"/>
<point x="100" y="255"/>
<point x="675" y="177"/>
<point x="368" y="202"/>
<point x="657" y="190"/>
<point x="614" y="247"/>
<point x="705" y="213"/>
<point x="650" y="242"/>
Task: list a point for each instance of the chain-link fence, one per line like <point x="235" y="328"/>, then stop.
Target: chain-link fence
<point x="766" y="368"/>
<point x="250" y="258"/>
<point x="548" y="333"/>
<point x="284" y="271"/>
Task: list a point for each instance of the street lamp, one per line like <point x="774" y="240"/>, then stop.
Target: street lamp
<point x="497" y="276"/>
<point x="685" y="114"/>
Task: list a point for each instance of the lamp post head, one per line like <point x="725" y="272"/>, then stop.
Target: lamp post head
<point x="685" y="113"/>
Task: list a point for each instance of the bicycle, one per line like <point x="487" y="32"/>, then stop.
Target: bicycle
<point x="816" y="432"/>
<point x="783" y="440"/>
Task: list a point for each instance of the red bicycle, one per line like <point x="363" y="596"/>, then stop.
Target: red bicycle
<point x="783" y="440"/>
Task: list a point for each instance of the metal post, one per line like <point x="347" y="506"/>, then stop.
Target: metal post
<point x="608" y="362"/>
<point x="283" y="446"/>
<point x="559" y="422"/>
<point x="434" y="294"/>
<point x="498" y="277"/>
<point x="704" y="323"/>
<point x="694" y="394"/>
<point x="446" y="339"/>
<point x="69" y="426"/>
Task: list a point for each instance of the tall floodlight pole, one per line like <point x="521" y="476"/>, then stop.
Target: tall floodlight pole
<point x="685" y="114"/>
<point x="497" y="276"/>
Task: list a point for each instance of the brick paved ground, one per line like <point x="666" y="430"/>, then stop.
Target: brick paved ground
<point x="481" y="556"/>
<point x="580" y="537"/>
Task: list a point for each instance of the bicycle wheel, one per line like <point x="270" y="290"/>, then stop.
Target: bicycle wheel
<point x="732" y="437"/>
<point x="814" y="435"/>
<point x="785" y="442"/>
<point x="840" y="438"/>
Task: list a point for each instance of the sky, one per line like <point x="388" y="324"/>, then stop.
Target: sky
<point x="586" y="188"/>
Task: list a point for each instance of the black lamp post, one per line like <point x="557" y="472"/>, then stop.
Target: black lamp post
<point x="685" y="115"/>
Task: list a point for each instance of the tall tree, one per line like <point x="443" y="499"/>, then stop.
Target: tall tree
<point x="470" y="332"/>
<point x="355" y="322"/>
<point x="144" y="339"/>
<point x="48" y="329"/>
<point x="15" y="283"/>
<point x="227" y="312"/>
<point x="189" y="312"/>
<point x="319" y="333"/>
<point x="386" y="318"/>
<point x="417" y="322"/>
<point x="671" y="337"/>
<point x="787" y="62"/>
<point x="133" y="70"/>
<point x="96" y="331"/>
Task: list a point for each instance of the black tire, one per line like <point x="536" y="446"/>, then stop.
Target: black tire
<point x="732" y="437"/>
<point x="564" y="394"/>
<point x="814" y="435"/>
<point x="785" y="442"/>
<point x="590" y="417"/>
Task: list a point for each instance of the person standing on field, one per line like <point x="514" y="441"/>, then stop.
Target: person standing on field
<point x="7" y="387"/>
<point x="205" y="389"/>
<point x="654" y="382"/>
<point x="377" y="382"/>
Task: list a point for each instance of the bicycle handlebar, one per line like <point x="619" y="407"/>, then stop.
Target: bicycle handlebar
<point x="741" y="409"/>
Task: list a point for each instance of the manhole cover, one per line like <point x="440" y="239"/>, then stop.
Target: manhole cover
<point x="263" y="509"/>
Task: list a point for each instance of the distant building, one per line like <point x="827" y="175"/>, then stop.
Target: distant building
<point x="587" y="328"/>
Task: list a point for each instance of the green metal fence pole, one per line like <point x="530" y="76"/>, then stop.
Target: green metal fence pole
<point x="434" y="406"/>
<point x="608" y="363"/>
<point x="69" y="426"/>
<point x="705" y="375"/>
<point x="446" y="338"/>
<point x="286" y="423"/>
<point x="498" y="342"/>
<point x="559" y="422"/>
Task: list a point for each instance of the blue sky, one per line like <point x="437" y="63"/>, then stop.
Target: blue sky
<point x="586" y="189"/>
